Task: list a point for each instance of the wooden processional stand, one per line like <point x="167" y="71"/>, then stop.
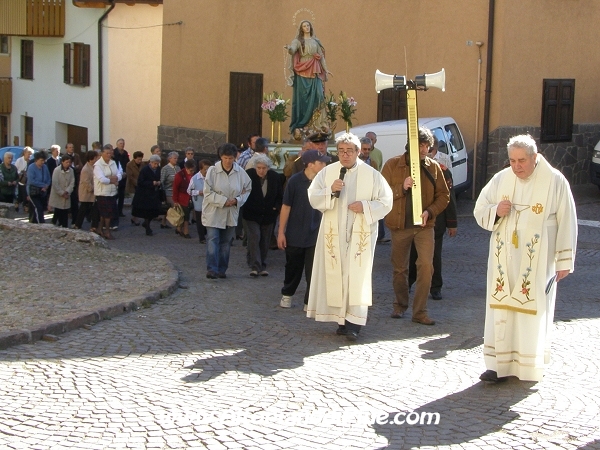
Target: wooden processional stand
<point x="412" y="126"/>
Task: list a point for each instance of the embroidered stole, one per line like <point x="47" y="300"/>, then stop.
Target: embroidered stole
<point x="359" y="252"/>
<point x="522" y="296"/>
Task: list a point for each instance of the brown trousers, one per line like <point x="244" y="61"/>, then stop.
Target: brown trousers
<point x="401" y="243"/>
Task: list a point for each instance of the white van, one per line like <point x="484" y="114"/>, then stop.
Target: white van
<point x="391" y="140"/>
<point x="595" y="166"/>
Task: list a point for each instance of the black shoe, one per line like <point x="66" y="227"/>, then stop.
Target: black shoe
<point x="211" y="275"/>
<point x="221" y="275"/>
<point x="492" y="377"/>
<point x="133" y="222"/>
<point x="352" y="335"/>
<point x="165" y="227"/>
<point x="342" y="330"/>
<point x="149" y="232"/>
<point x="436" y="295"/>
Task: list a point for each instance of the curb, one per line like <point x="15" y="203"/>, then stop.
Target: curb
<point x="18" y="337"/>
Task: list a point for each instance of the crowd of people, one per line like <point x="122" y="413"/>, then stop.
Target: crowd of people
<point x="327" y="213"/>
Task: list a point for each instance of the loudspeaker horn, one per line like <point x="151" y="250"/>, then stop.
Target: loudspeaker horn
<point x="385" y="81"/>
<point x="436" y="80"/>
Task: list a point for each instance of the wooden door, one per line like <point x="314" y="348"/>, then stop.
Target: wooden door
<point x="391" y="105"/>
<point x="78" y="136"/>
<point x="28" y="131"/>
<point x="3" y="131"/>
<point x="245" y="98"/>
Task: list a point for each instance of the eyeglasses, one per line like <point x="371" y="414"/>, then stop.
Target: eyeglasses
<point x="346" y="152"/>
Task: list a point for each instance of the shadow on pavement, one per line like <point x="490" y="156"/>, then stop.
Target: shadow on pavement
<point x="457" y="422"/>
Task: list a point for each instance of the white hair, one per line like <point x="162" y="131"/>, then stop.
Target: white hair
<point x="262" y="159"/>
<point x="348" y="138"/>
<point x="524" y="141"/>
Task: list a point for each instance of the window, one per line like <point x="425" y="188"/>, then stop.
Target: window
<point x="27" y="59"/>
<point x="454" y="138"/>
<point x="4" y="45"/>
<point x="76" y="64"/>
<point x="557" y="110"/>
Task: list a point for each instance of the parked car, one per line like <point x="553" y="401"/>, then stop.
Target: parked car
<point x="391" y="140"/>
<point x="595" y="166"/>
<point x="16" y="151"/>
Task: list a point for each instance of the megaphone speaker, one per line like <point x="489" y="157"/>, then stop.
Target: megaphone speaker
<point x="436" y="80"/>
<point x="385" y="81"/>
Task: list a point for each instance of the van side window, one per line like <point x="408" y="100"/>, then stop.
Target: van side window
<point x="454" y="138"/>
<point x="441" y="137"/>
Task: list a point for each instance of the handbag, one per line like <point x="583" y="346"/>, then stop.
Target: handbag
<point x="175" y="215"/>
<point x="162" y="195"/>
<point x="35" y="191"/>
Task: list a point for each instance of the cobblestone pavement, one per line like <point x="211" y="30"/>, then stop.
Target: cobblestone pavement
<point x="54" y="280"/>
<point x="174" y="374"/>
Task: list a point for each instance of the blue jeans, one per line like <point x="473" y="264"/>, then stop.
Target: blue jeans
<point x="218" y="245"/>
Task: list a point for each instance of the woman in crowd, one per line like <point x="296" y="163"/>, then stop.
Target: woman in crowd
<point x="167" y="176"/>
<point x="21" y="164"/>
<point x="63" y="183"/>
<point x="196" y="190"/>
<point x="106" y="181"/>
<point x="133" y="172"/>
<point x="260" y="213"/>
<point x="86" y="193"/>
<point x="181" y="196"/>
<point x="226" y="188"/>
<point x="146" y="201"/>
<point x="38" y="182"/>
<point x="9" y="179"/>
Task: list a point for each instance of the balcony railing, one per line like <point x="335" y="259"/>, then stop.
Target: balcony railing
<point x="5" y="95"/>
<point x="32" y="17"/>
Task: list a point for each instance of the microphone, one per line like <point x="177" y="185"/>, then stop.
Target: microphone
<point x="342" y="175"/>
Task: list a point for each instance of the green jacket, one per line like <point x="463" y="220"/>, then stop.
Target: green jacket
<point x="8" y="175"/>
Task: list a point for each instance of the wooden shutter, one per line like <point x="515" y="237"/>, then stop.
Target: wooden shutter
<point x="245" y="98"/>
<point x="85" y="65"/>
<point x="27" y="59"/>
<point x="557" y="110"/>
<point x="67" y="63"/>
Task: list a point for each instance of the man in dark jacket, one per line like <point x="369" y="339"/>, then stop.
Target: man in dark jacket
<point x="434" y="197"/>
<point x="121" y="157"/>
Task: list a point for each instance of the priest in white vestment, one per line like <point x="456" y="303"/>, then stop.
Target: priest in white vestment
<point x="340" y="289"/>
<point x="530" y="211"/>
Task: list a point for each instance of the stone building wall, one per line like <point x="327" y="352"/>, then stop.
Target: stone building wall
<point x="178" y="138"/>
<point x="571" y="158"/>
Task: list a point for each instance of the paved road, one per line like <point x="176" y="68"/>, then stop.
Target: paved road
<point x="218" y="365"/>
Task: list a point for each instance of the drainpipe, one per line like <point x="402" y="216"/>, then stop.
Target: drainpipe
<point x="100" y="79"/>
<point x="488" y="90"/>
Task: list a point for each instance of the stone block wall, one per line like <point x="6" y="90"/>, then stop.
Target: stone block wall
<point x="178" y="138"/>
<point x="571" y="158"/>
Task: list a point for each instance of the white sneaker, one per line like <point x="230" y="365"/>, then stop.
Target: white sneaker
<point x="254" y="274"/>
<point x="286" y="301"/>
